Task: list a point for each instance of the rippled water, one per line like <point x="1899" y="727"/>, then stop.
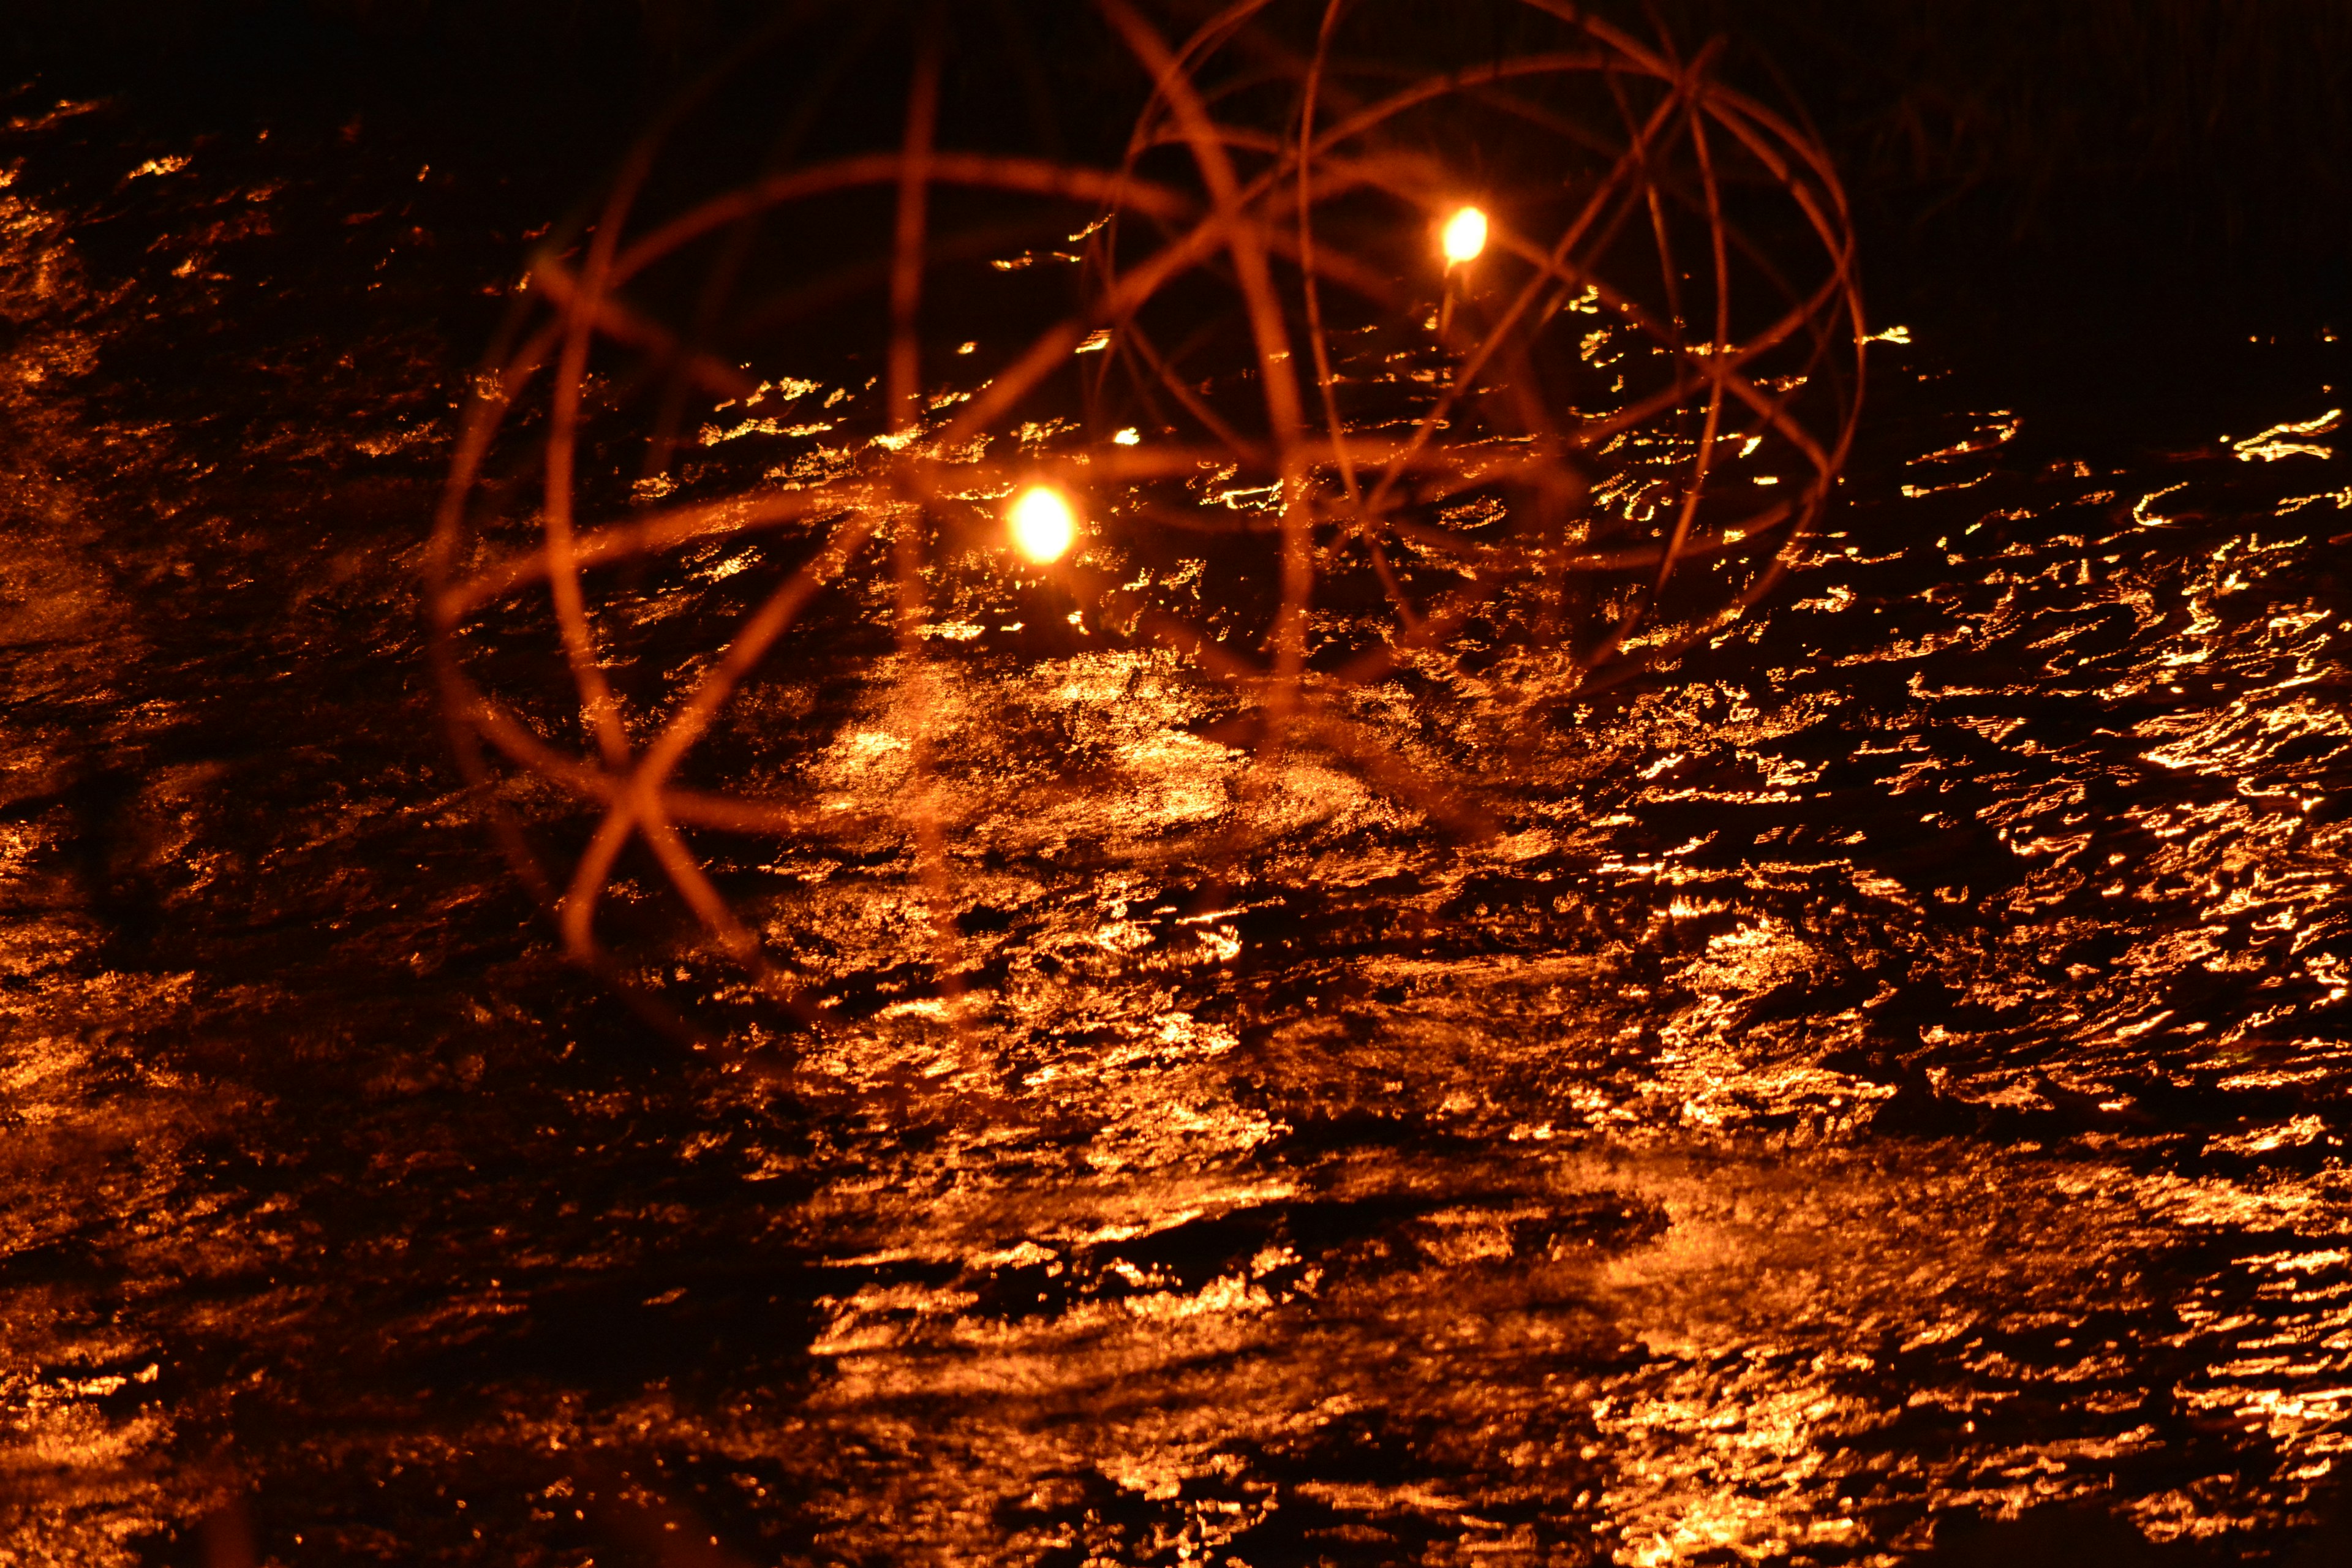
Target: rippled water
<point x="1887" y="1075"/>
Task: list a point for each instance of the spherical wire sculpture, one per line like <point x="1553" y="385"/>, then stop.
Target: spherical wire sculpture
<point x="1520" y="355"/>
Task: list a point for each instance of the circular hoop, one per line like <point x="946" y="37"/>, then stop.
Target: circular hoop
<point x="1309" y="437"/>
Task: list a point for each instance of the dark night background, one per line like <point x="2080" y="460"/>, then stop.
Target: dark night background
<point x="2147" y="182"/>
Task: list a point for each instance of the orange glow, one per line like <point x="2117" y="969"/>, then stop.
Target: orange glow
<point x="1465" y="236"/>
<point x="1044" y="524"/>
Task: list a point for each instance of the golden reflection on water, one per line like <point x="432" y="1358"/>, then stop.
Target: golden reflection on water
<point x="1824" y="1338"/>
<point x="1882" y="1072"/>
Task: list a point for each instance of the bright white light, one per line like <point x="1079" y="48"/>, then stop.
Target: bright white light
<point x="1129" y="436"/>
<point x="1044" y="526"/>
<point x="1465" y="236"/>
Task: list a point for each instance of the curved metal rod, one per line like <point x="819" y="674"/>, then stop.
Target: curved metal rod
<point x="1245" y="217"/>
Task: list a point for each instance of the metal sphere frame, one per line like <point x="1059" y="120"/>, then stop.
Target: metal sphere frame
<point x="1255" y="170"/>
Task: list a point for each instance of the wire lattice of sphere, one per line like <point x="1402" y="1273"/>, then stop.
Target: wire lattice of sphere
<point x="1528" y="351"/>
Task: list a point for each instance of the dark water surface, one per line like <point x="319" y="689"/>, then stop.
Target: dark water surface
<point x="1889" y="1076"/>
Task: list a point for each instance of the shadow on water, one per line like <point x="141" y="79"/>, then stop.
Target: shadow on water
<point x="2061" y="1537"/>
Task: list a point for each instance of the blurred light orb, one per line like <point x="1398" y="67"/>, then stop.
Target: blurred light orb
<point x="1465" y="236"/>
<point x="1043" y="525"/>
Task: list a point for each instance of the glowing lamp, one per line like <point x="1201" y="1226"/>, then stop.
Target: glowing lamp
<point x="1044" y="526"/>
<point x="1463" y="237"/>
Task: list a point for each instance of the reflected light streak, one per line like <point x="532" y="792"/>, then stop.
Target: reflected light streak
<point x="1043" y="523"/>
